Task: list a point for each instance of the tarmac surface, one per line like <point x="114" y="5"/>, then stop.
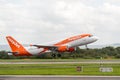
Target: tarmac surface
<point x="34" y="77"/>
<point x="67" y="62"/>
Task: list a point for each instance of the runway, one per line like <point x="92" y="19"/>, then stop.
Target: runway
<point x="67" y="62"/>
<point x="37" y="77"/>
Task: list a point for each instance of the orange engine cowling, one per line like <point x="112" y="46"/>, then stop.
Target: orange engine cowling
<point x="65" y="49"/>
<point x="62" y="48"/>
<point x="71" y="49"/>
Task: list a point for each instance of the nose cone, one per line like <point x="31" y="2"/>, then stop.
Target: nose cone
<point x="95" y="38"/>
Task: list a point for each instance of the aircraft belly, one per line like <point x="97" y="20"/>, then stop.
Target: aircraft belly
<point x="35" y="51"/>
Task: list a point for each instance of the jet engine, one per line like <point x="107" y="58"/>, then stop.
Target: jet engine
<point x="65" y="49"/>
<point x="62" y="49"/>
<point x="72" y="49"/>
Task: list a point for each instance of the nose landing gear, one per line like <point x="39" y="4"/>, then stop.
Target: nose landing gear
<point x="86" y="47"/>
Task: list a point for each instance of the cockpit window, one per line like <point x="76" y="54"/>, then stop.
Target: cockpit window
<point x="90" y="35"/>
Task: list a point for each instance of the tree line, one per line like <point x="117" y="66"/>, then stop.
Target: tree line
<point x="105" y="53"/>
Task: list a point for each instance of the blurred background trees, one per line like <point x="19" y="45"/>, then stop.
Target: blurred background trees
<point x="105" y="53"/>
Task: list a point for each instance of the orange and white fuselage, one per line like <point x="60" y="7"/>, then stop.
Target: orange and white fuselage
<point x="66" y="45"/>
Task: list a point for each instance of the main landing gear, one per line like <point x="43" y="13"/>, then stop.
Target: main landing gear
<point x="56" y="55"/>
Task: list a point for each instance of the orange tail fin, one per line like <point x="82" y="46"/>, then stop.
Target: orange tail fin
<point x="14" y="45"/>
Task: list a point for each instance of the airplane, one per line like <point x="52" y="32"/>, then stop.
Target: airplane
<point x="66" y="45"/>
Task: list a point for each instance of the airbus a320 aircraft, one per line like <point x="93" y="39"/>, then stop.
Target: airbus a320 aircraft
<point x="66" y="45"/>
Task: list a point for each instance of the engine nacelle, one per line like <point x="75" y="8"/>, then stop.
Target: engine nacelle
<point x="71" y="49"/>
<point x="65" y="49"/>
<point x="62" y="49"/>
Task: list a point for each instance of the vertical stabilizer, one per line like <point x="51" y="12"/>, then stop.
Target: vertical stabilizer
<point x="14" y="45"/>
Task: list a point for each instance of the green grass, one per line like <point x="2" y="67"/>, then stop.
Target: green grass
<point x="55" y="60"/>
<point x="56" y="69"/>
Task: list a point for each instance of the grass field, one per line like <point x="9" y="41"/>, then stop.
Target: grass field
<point x="56" y="60"/>
<point x="57" y="69"/>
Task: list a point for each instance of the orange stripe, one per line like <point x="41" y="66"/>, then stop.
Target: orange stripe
<point x="71" y="39"/>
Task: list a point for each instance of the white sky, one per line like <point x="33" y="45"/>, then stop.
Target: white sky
<point x="40" y="21"/>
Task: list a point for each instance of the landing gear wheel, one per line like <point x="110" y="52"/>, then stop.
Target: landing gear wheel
<point x="86" y="47"/>
<point x="58" y="55"/>
<point x="53" y="55"/>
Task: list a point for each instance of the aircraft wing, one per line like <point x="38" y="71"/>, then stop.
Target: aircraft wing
<point x="43" y="46"/>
